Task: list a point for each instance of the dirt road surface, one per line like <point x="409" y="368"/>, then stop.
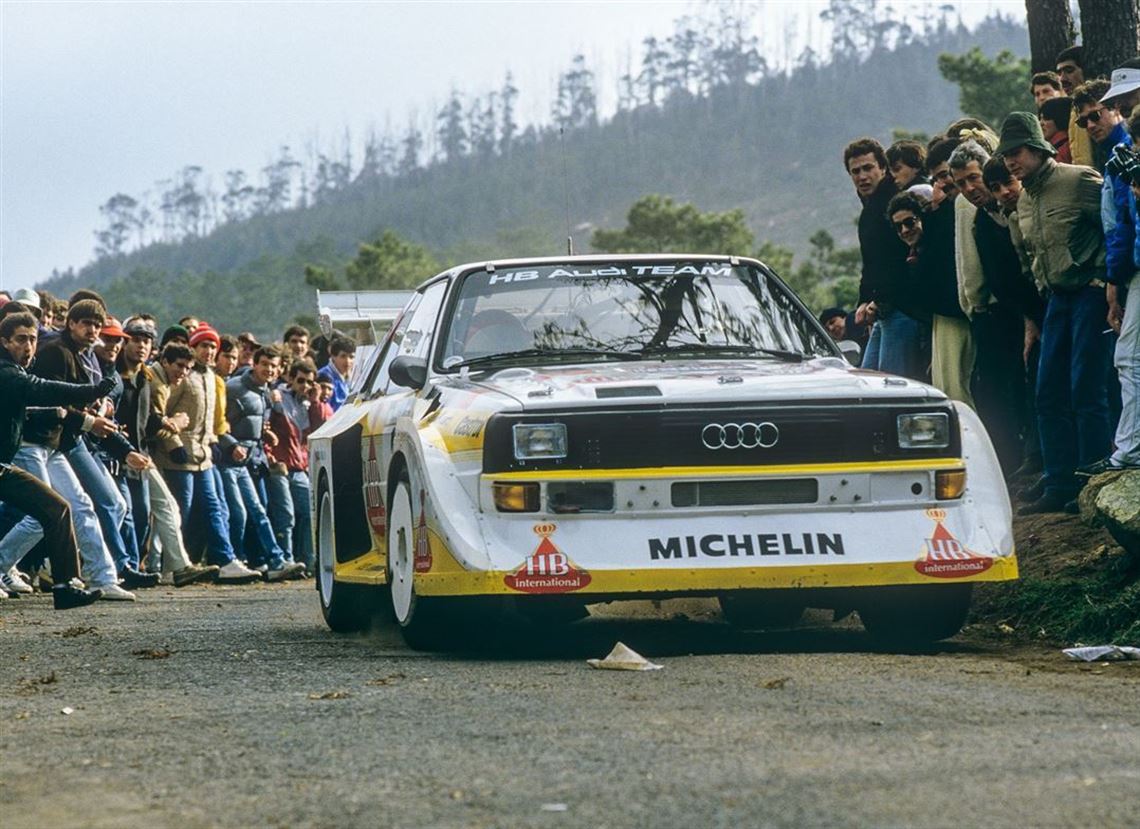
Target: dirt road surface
<point x="236" y="707"/>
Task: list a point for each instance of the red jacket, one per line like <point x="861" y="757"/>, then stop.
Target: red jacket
<point x="292" y="422"/>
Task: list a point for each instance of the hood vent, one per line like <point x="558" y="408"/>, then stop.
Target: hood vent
<point x="608" y="392"/>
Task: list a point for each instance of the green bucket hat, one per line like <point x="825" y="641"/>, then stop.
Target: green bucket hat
<point x="1022" y="129"/>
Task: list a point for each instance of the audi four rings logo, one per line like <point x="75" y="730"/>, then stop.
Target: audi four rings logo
<point x="740" y="435"/>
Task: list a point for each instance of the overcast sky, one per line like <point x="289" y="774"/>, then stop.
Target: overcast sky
<point x="99" y="97"/>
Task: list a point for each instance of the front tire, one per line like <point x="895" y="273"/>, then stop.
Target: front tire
<point x="346" y="607"/>
<point x="915" y="614"/>
<point x="422" y="621"/>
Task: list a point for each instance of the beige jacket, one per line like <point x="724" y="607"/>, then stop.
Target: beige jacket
<point x="973" y="295"/>
<point x="197" y="397"/>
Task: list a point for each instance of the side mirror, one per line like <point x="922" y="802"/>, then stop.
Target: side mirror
<point x="409" y="372"/>
<point x="851" y="351"/>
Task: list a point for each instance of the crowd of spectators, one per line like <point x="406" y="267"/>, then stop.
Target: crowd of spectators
<point x="131" y="458"/>
<point x="1001" y="267"/>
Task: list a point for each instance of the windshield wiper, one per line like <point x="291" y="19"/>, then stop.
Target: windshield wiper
<point x="712" y="348"/>
<point x="545" y="353"/>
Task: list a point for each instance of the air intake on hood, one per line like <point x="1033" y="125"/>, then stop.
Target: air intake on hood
<point x="605" y="392"/>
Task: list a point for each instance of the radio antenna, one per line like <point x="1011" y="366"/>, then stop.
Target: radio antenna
<point x="565" y="190"/>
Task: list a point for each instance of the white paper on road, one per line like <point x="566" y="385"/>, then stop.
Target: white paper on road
<point x="1102" y="653"/>
<point x="622" y="658"/>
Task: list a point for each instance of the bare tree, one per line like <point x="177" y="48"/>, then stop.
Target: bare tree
<point x="1110" y="30"/>
<point x="1050" y="30"/>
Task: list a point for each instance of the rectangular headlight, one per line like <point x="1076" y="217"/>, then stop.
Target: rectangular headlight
<point x="924" y="431"/>
<point x="539" y="440"/>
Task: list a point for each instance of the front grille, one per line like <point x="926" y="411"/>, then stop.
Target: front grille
<point x="647" y="437"/>
<point x="745" y="493"/>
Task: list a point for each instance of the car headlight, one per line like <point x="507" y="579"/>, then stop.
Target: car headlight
<point x="539" y="440"/>
<point x="924" y="431"/>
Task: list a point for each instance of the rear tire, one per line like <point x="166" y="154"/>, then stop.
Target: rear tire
<point x="346" y="607"/>
<point x="915" y="614"/>
<point x="761" y="609"/>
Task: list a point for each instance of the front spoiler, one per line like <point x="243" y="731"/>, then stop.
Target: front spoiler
<point x="637" y="583"/>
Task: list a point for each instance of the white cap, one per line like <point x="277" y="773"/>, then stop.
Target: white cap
<point x="26" y="296"/>
<point x="1124" y="80"/>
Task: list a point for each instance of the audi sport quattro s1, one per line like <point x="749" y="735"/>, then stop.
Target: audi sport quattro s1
<point x="558" y="432"/>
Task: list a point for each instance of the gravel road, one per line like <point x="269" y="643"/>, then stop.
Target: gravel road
<point x="234" y="706"/>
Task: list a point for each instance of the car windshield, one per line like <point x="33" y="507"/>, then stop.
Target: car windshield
<point x="623" y="310"/>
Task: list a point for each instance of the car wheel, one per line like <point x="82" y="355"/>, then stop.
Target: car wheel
<point x="346" y="607"/>
<point x="422" y="620"/>
<point x="915" y="614"/>
<point x="757" y="609"/>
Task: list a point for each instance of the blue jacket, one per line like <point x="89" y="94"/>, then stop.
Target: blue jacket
<point x="1116" y="210"/>
<point x="340" y="386"/>
<point x="248" y="408"/>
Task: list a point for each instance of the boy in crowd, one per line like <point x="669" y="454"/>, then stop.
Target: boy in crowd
<point x="342" y="353"/>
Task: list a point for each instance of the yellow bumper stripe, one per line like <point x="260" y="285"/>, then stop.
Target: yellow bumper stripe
<point x="705" y="471"/>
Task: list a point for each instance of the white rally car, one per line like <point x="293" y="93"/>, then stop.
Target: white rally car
<point x="559" y="432"/>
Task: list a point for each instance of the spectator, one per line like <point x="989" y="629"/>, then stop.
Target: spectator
<point x="184" y="386"/>
<point x="907" y="163"/>
<point x="342" y="353"/>
<point x="938" y="168"/>
<point x="297" y="413"/>
<point x="227" y="359"/>
<point x="151" y="500"/>
<point x="1070" y="68"/>
<point x="326" y="387"/>
<point x="296" y="341"/>
<point x="49" y="439"/>
<point x="1006" y="190"/>
<point x="189" y="323"/>
<point x="1124" y="94"/>
<point x="1054" y="116"/>
<point x="28" y="493"/>
<point x="897" y="343"/>
<point x="929" y="236"/>
<point x="247" y="344"/>
<point x="248" y="407"/>
<point x="834" y="320"/>
<point x="996" y="299"/>
<point x="1061" y="244"/>
<point x="1045" y="85"/>
<point x="1118" y="208"/>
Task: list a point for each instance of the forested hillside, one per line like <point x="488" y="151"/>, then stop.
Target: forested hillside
<point x="766" y="142"/>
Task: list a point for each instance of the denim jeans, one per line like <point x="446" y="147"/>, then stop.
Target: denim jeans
<point x="128" y="531"/>
<point x="1071" y="379"/>
<point x="188" y="487"/>
<point x="137" y="491"/>
<point x="899" y="345"/>
<point x="52" y="467"/>
<point x="245" y="503"/>
<point x="289" y="514"/>
<point x="110" y="506"/>
<point x="1127" y="360"/>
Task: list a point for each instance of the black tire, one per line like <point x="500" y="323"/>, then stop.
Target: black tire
<point x="915" y="614"/>
<point x="761" y="609"/>
<point x="347" y="608"/>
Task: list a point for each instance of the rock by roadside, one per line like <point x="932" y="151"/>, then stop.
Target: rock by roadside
<point x="1116" y="503"/>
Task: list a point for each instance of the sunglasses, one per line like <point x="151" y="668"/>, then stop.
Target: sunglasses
<point x="1092" y="117"/>
<point x="909" y="223"/>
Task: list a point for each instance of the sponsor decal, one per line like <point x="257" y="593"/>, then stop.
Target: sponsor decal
<point x="762" y="544"/>
<point x="548" y="570"/>
<point x="421" y="555"/>
<point x="945" y="557"/>
<point x="609" y="271"/>
<point x="374" y="507"/>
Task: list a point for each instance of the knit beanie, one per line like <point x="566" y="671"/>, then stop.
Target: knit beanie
<point x="204" y="333"/>
<point x="172" y="332"/>
<point x="1022" y="129"/>
<point x="1057" y="110"/>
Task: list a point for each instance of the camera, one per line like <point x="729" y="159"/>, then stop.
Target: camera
<point x="1124" y="162"/>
